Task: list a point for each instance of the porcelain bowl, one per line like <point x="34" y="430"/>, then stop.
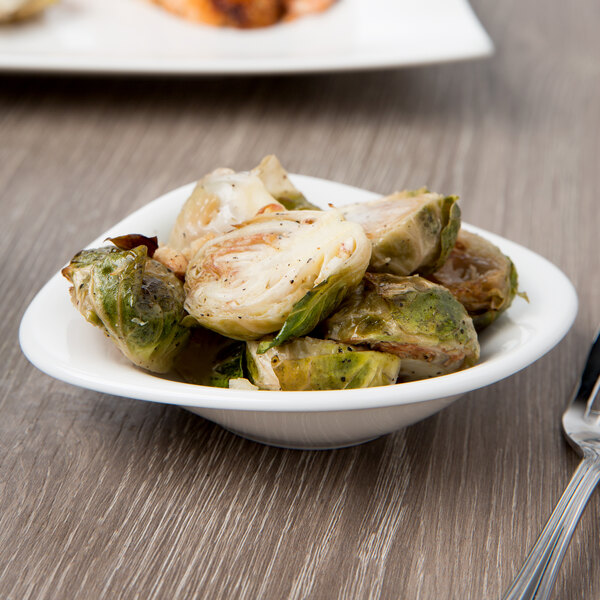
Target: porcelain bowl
<point x="57" y="340"/>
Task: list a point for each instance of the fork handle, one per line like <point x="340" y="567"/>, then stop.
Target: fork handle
<point x="537" y="576"/>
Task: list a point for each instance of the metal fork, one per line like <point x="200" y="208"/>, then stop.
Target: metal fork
<point x="581" y="425"/>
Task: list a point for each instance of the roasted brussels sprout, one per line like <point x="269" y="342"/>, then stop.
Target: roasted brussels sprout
<point x="411" y="231"/>
<point x="286" y="270"/>
<point x="278" y="184"/>
<point x="134" y="299"/>
<point x="220" y="201"/>
<point x="224" y="199"/>
<point x="312" y="364"/>
<point x="482" y="278"/>
<point x="417" y="320"/>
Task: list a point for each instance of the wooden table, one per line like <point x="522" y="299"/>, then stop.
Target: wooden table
<point x="104" y="497"/>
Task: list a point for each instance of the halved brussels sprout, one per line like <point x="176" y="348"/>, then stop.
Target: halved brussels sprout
<point x="134" y="299"/>
<point x="224" y="199"/>
<point x="417" y="320"/>
<point x="411" y="231"/>
<point x="312" y="364"/>
<point x="220" y="201"/>
<point x="277" y="182"/>
<point x="482" y="278"/>
<point x="291" y="268"/>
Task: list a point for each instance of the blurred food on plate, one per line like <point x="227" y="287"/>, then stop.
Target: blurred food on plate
<point x="15" y="10"/>
<point x="243" y="14"/>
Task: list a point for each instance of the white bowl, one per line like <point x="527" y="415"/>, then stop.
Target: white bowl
<point x="57" y="340"/>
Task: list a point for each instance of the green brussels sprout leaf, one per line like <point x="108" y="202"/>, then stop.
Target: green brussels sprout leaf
<point x="309" y="311"/>
<point x="228" y="364"/>
<point x="450" y="229"/>
<point x="297" y="203"/>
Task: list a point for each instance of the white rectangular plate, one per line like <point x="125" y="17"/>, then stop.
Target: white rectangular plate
<point x="136" y="36"/>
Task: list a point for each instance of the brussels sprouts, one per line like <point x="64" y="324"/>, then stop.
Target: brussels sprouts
<point x="220" y="201"/>
<point x="279" y="270"/>
<point x="312" y="364"/>
<point x="417" y="320"/>
<point x="134" y="299"/>
<point x="277" y="182"/>
<point x="224" y="199"/>
<point x="411" y="231"/>
<point x="482" y="278"/>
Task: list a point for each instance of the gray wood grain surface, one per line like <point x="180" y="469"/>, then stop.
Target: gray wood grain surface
<point x="104" y="497"/>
